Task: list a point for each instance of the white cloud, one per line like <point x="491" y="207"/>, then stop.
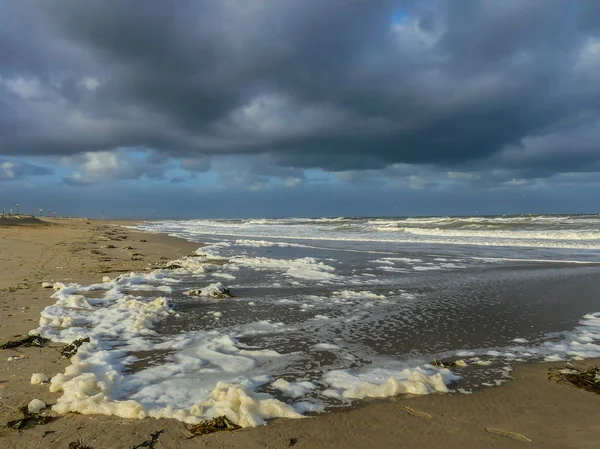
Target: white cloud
<point x="7" y="170"/>
<point x="101" y="166"/>
<point x="27" y="89"/>
<point x="13" y="170"/>
<point x="90" y="83"/>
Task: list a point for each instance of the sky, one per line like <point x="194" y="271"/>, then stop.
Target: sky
<point x="275" y="108"/>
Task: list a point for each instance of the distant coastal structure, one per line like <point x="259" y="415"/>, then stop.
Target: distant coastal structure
<point x="16" y="212"/>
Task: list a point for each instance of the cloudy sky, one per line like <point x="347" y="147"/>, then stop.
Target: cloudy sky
<point x="300" y="107"/>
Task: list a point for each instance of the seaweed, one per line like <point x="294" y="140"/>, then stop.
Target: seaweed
<point x="448" y="363"/>
<point x="71" y="349"/>
<point x="416" y="413"/>
<point x="30" y="340"/>
<point x="151" y="442"/>
<point x="79" y="444"/>
<point x="28" y="420"/>
<point x="217" y="424"/>
<point x="587" y="379"/>
<point x="508" y="434"/>
<point x="221" y="293"/>
<point x="171" y="266"/>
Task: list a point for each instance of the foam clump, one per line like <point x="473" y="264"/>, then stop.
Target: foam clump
<point x="349" y="294"/>
<point x="74" y="301"/>
<point x="193" y="265"/>
<point x="59" y="322"/>
<point x="39" y="378"/>
<point x="307" y="268"/>
<point x="380" y="383"/>
<point x="86" y="393"/>
<point x="217" y="290"/>
<point x="293" y="389"/>
<point x="36" y="406"/>
<point x="243" y="407"/>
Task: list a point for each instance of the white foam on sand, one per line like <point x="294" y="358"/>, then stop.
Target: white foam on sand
<point x="39" y="378"/>
<point x="385" y="382"/>
<point x="204" y="379"/>
<point x="202" y="373"/>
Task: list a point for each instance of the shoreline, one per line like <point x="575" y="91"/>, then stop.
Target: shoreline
<point x="63" y="250"/>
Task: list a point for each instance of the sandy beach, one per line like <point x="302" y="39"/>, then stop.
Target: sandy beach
<point x="83" y="251"/>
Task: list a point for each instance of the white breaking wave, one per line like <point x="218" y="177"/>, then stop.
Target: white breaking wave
<point x="509" y="234"/>
<point x="569" y="232"/>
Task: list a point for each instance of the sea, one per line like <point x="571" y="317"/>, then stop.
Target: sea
<point x="293" y="317"/>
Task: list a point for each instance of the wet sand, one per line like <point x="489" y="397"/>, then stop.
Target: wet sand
<point x="553" y="416"/>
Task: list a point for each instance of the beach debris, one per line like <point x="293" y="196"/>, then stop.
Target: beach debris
<point x="79" y="444"/>
<point x="151" y="442"/>
<point x="414" y="412"/>
<point x="39" y="378"/>
<point x="47" y="285"/>
<point x="95" y="251"/>
<point x="14" y="358"/>
<point x="143" y="241"/>
<point x="508" y="434"/>
<point x="71" y="349"/>
<point x="109" y="246"/>
<point x="171" y="266"/>
<point x="30" y="340"/>
<point x="36" y="406"/>
<point x="20" y="286"/>
<point x="164" y="258"/>
<point x="112" y="270"/>
<point x="217" y="290"/>
<point x="292" y="442"/>
<point x="587" y="379"/>
<point x="128" y="247"/>
<point x="28" y="418"/>
<point x="217" y="424"/>
<point x="449" y="363"/>
<point x="137" y="258"/>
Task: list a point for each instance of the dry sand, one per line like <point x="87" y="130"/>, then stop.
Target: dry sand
<point x="553" y="416"/>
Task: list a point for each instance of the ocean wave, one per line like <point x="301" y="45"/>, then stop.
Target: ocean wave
<point x="529" y="235"/>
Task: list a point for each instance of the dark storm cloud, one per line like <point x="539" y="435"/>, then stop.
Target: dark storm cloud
<point x="458" y="85"/>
